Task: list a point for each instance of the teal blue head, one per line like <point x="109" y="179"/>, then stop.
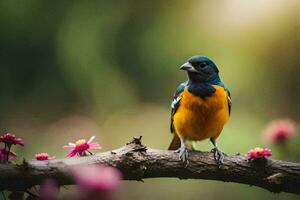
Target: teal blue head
<point x="201" y="69"/>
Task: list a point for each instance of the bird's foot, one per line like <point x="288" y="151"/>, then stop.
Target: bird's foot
<point x="183" y="154"/>
<point x="218" y="155"/>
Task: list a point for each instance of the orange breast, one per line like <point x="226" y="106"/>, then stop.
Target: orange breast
<point x="201" y="118"/>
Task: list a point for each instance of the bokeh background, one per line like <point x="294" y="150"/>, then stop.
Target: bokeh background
<point x="73" y="69"/>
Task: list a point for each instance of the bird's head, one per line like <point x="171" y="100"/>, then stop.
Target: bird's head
<point x="201" y="69"/>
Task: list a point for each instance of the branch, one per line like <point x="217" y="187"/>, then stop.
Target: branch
<point x="138" y="162"/>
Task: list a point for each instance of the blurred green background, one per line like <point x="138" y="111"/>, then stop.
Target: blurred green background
<point x="73" y="69"/>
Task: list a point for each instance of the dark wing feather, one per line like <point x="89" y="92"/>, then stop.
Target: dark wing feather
<point x="229" y="101"/>
<point x="228" y="96"/>
<point x="176" y="102"/>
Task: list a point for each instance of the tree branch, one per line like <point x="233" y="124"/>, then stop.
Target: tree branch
<point x="138" y="162"/>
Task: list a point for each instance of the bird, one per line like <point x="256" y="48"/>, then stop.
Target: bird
<point x="201" y="106"/>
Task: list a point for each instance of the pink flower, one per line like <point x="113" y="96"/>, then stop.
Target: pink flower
<point x="43" y="156"/>
<point x="4" y="153"/>
<point x="258" y="153"/>
<point x="81" y="147"/>
<point x="10" y="139"/>
<point x="97" y="182"/>
<point x="279" y="131"/>
<point x="48" y="190"/>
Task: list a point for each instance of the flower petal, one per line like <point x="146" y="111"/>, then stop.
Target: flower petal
<point x="67" y="146"/>
<point x="72" y="153"/>
<point x="71" y="144"/>
<point x="91" y="139"/>
<point x="95" y="146"/>
<point x="258" y="153"/>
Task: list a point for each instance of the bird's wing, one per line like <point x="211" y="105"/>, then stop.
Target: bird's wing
<point x="228" y="95"/>
<point x="229" y="100"/>
<point x="176" y="102"/>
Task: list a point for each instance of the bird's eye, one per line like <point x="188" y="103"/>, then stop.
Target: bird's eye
<point x="203" y="64"/>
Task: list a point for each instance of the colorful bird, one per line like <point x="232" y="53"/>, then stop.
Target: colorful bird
<point x="200" y="108"/>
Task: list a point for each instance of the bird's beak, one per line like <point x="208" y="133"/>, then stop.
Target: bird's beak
<point x="188" y="67"/>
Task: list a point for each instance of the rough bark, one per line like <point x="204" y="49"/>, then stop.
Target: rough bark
<point x="138" y="162"/>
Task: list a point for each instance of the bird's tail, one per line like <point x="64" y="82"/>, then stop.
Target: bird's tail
<point x="175" y="144"/>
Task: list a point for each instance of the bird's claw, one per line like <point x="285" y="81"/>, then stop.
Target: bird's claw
<point x="183" y="154"/>
<point x="218" y="155"/>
